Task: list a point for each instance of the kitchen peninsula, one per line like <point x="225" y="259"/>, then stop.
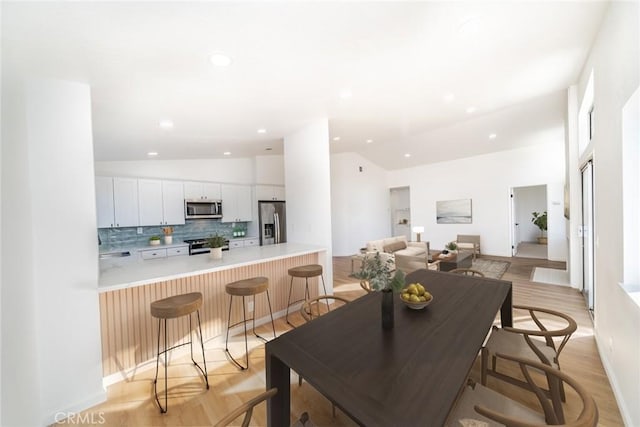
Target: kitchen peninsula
<point x="127" y="286"/>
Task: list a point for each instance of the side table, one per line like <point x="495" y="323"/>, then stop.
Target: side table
<point x="357" y="257"/>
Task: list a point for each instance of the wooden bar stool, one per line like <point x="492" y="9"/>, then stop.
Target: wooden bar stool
<point x="304" y="271"/>
<point x="245" y="288"/>
<point x="171" y="308"/>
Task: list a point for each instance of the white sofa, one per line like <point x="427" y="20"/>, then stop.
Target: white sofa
<point x="391" y="246"/>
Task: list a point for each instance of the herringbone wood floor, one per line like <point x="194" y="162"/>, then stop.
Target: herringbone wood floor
<point x="131" y="403"/>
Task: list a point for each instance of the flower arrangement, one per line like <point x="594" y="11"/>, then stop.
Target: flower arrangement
<point x="168" y="231"/>
<point x="378" y="274"/>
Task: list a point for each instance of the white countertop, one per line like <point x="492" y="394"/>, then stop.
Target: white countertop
<point x="121" y="273"/>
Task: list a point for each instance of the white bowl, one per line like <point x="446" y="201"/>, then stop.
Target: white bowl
<point x="417" y="305"/>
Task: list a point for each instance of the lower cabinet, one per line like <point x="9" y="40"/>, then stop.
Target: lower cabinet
<point x="243" y="243"/>
<point x="164" y="252"/>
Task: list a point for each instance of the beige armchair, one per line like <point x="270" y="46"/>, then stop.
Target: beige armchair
<point x="469" y="242"/>
<point x="408" y="263"/>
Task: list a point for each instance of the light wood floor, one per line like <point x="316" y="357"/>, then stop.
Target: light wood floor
<point x="131" y="403"/>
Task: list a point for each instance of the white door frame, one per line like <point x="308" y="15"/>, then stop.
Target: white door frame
<point x="587" y="232"/>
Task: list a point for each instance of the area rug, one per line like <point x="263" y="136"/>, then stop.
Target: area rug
<point x="490" y="268"/>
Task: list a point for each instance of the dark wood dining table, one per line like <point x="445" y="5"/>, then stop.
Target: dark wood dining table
<point x="410" y="375"/>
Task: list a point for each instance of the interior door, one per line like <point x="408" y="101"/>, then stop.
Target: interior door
<point x="588" y="272"/>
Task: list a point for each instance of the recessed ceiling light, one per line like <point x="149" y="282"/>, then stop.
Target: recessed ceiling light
<point x="227" y="153"/>
<point x="220" y="60"/>
<point x="449" y="98"/>
<point x="346" y="94"/>
<point x="166" y="124"/>
<point x="493" y="136"/>
<point x="407" y="155"/>
<point x="369" y="141"/>
<point x="336" y="138"/>
<point x="152" y="153"/>
<point x="262" y="131"/>
<point x="471" y="110"/>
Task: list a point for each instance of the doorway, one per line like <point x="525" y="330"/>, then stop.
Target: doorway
<point x="587" y="232"/>
<point x="400" y="212"/>
<point x="524" y="234"/>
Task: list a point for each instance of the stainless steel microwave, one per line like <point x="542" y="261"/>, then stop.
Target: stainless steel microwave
<point x="197" y="209"/>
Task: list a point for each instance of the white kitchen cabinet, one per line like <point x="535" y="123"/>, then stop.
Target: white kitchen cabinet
<point x="160" y="202"/>
<point x="251" y="242"/>
<point x="243" y="243"/>
<point x="153" y="253"/>
<point x="177" y="251"/>
<point x="235" y="244"/>
<point x="116" y="202"/>
<point x="150" y="202"/>
<point x="201" y="190"/>
<point x="173" y="202"/>
<point x="269" y="192"/>
<point x="104" y="202"/>
<point x="236" y="203"/>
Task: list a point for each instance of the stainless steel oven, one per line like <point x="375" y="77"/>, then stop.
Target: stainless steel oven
<point x="199" y="246"/>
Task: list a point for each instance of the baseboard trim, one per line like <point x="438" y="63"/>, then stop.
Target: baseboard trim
<point x="74" y="410"/>
<point x="626" y="417"/>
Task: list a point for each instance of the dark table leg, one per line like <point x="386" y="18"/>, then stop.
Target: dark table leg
<point x="279" y="406"/>
<point x="506" y="311"/>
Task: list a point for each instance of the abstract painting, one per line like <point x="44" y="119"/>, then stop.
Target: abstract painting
<point x="453" y="211"/>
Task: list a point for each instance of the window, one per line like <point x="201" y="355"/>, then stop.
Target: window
<point x="585" y="118"/>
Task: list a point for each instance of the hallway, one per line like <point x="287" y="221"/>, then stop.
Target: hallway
<point x="531" y="250"/>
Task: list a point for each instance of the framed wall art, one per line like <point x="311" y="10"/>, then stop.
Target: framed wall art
<point x="453" y="211"/>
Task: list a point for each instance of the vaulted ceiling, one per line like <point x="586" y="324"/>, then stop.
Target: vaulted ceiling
<point x="429" y="79"/>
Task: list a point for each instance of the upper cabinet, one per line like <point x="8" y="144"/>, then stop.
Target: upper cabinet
<point x="116" y="202"/>
<point x="236" y="203"/>
<point x="173" y="202"/>
<point x="269" y="192"/>
<point x="160" y="202"/>
<point x="202" y="190"/>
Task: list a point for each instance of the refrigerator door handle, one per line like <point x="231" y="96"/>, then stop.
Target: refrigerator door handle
<point x="276" y="225"/>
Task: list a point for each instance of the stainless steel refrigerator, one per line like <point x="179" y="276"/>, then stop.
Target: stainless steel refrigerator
<point x="273" y="222"/>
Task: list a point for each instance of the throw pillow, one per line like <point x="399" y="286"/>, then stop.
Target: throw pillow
<point x="396" y="246"/>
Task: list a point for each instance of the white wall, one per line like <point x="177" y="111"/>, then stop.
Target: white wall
<point x="615" y="60"/>
<point x="308" y="183"/>
<point x="360" y="203"/>
<point x="50" y="306"/>
<point x="269" y="170"/>
<point x="237" y="171"/>
<point x="0" y="240"/>
<point x="528" y="200"/>
<point x="487" y="180"/>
